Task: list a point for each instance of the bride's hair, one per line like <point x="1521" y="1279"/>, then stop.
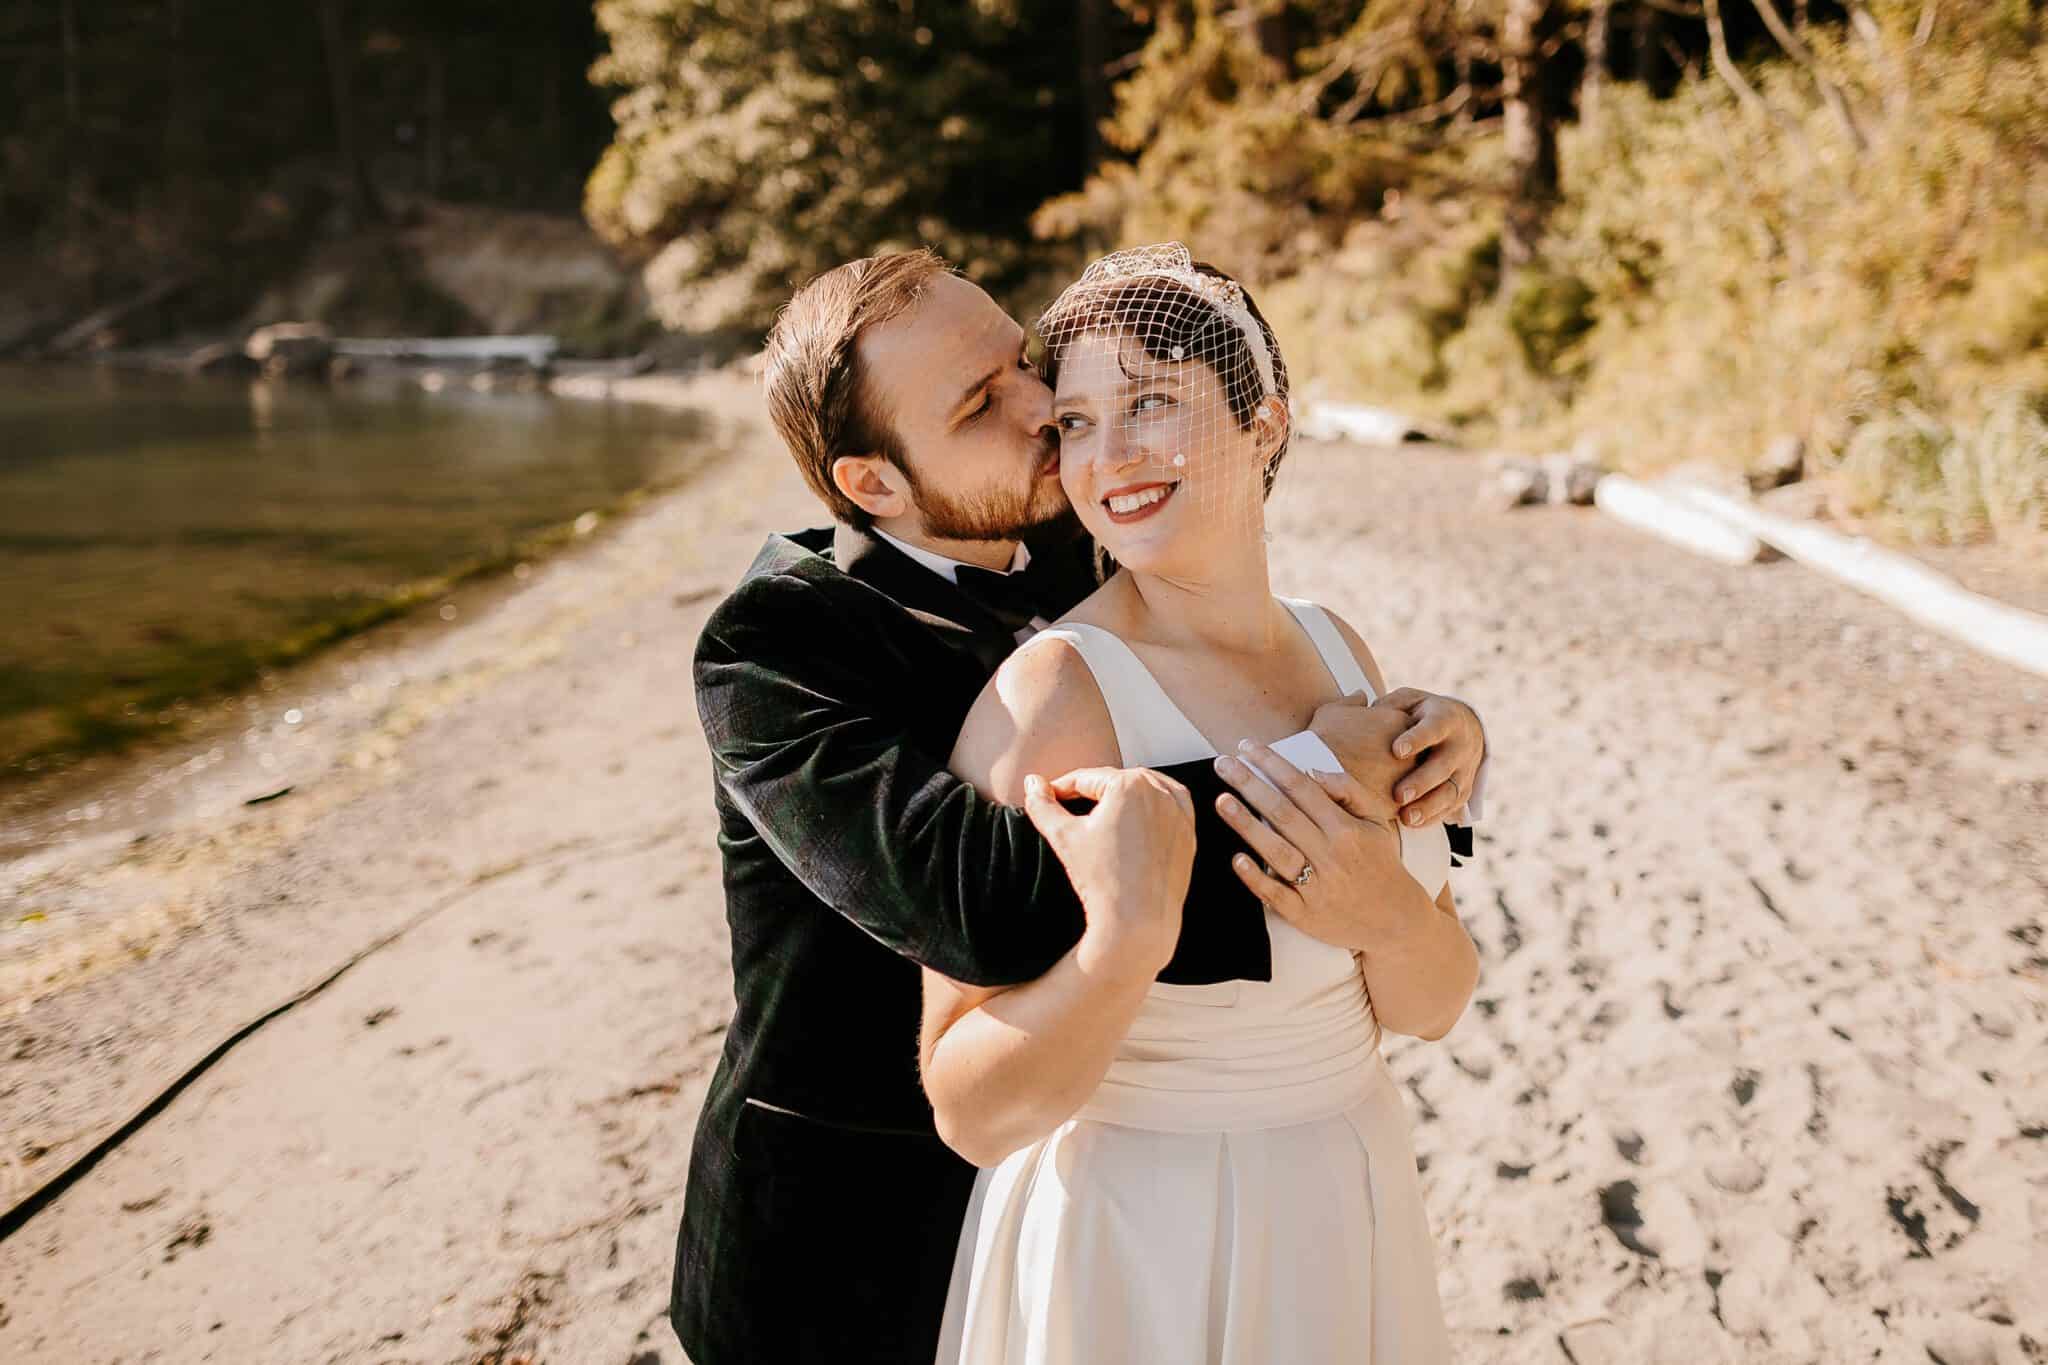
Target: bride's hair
<point x="1176" y="309"/>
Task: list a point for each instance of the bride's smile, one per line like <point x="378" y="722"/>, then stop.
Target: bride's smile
<point x="1137" y="502"/>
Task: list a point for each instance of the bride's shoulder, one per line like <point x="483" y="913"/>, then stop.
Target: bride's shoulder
<point x="1359" y="651"/>
<point x="1041" y="713"/>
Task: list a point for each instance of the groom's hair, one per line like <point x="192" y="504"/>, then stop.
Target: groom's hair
<point x="818" y="393"/>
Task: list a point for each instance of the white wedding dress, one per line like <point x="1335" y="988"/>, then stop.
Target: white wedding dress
<point x="1240" y="1190"/>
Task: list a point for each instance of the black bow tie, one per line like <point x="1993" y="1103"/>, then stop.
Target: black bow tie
<point x="1012" y="598"/>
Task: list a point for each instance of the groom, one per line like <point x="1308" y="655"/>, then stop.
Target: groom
<point x="822" y="1209"/>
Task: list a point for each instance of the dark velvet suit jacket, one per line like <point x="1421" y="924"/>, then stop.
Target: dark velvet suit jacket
<point x="822" y="1209"/>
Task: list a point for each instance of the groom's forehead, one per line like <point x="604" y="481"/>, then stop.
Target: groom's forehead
<point x="951" y="335"/>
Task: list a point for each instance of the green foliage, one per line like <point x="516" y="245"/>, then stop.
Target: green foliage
<point x="142" y="140"/>
<point x="1757" y="272"/>
<point x="1225" y="149"/>
<point x="1941" y="482"/>
<point x="761" y="143"/>
<point x="1850" y="253"/>
<point x="1547" y="312"/>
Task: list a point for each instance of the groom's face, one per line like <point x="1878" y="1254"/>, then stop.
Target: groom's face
<point x="972" y="415"/>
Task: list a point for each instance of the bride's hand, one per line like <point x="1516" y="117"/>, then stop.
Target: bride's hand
<point x="1357" y="894"/>
<point x="1130" y="858"/>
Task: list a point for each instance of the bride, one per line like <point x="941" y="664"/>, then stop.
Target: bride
<point x="1210" y="1172"/>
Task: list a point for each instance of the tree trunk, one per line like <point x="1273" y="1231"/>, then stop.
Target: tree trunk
<point x="68" y="20"/>
<point x="1095" y="105"/>
<point x="76" y="183"/>
<point x="437" y="115"/>
<point x="1641" y="51"/>
<point x="550" y="126"/>
<point x="359" y="195"/>
<point x="184" y="140"/>
<point x="1529" y="134"/>
<point x="1595" y="83"/>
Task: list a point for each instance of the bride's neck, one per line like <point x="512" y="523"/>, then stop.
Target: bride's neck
<point x="1228" y="608"/>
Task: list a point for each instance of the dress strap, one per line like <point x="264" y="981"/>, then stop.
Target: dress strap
<point x="1329" y="642"/>
<point x="1151" y="732"/>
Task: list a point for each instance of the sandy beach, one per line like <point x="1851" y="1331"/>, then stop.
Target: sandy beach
<point x="1757" y="1069"/>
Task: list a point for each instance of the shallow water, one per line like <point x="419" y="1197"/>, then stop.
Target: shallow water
<point x="164" y="539"/>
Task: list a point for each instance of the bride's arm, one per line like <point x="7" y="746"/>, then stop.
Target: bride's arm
<point x="1419" y="964"/>
<point x="1003" y="1067"/>
<point x="1420" y="982"/>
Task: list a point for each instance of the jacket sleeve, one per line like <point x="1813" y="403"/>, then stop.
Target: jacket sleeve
<point x="807" y="740"/>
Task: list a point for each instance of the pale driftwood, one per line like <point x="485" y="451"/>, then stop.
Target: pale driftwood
<point x="535" y="350"/>
<point x="1934" y="600"/>
<point x="80" y="334"/>
<point x="1352" y="422"/>
<point x="1317" y="420"/>
<point x="1668" y="517"/>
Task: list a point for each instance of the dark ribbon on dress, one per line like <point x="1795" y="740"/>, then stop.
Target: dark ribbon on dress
<point x="1222" y="924"/>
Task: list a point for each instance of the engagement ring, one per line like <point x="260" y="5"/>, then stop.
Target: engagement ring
<point x="1308" y="870"/>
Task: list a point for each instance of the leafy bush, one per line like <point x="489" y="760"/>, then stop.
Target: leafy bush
<point x="1939" y="482"/>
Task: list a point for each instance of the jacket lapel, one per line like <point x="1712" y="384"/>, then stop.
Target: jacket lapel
<point x="866" y="557"/>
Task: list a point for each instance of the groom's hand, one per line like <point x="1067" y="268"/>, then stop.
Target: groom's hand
<point x="1448" y="743"/>
<point x="1362" y="737"/>
<point x="1413" y="752"/>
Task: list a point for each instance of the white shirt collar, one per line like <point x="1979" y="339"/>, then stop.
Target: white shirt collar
<point x="945" y="568"/>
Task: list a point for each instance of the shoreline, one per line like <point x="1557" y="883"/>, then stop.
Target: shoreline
<point x="82" y="781"/>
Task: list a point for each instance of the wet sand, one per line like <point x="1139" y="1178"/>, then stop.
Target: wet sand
<point x="1754" y="1072"/>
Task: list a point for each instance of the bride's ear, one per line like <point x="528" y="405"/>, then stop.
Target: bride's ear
<point x="1270" y="424"/>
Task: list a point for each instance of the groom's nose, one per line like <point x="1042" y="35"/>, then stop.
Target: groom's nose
<point x="1036" y="400"/>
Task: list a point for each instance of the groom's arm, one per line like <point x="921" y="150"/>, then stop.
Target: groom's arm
<point x="805" y="713"/>
<point x="1416" y="753"/>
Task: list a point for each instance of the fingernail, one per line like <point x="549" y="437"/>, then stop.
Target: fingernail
<point x="1242" y="862"/>
<point x="1407" y="793"/>
<point x="1244" y="746"/>
<point x="1401" y="749"/>
<point x="1228" y="803"/>
<point x="1414" y="817"/>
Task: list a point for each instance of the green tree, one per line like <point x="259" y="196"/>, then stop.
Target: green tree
<point x="1265" y="128"/>
<point x="762" y="141"/>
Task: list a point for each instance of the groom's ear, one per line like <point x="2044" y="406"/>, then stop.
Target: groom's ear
<point x="874" y="484"/>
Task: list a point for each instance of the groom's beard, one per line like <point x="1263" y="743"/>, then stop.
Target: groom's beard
<point x="1001" y="513"/>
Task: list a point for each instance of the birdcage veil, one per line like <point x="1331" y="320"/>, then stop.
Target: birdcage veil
<point x="1180" y="367"/>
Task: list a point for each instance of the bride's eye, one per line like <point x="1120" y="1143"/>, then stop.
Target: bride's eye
<point x="1071" y="422"/>
<point x="1152" y="402"/>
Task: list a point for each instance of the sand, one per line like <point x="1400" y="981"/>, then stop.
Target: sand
<point x="1754" y="1071"/>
